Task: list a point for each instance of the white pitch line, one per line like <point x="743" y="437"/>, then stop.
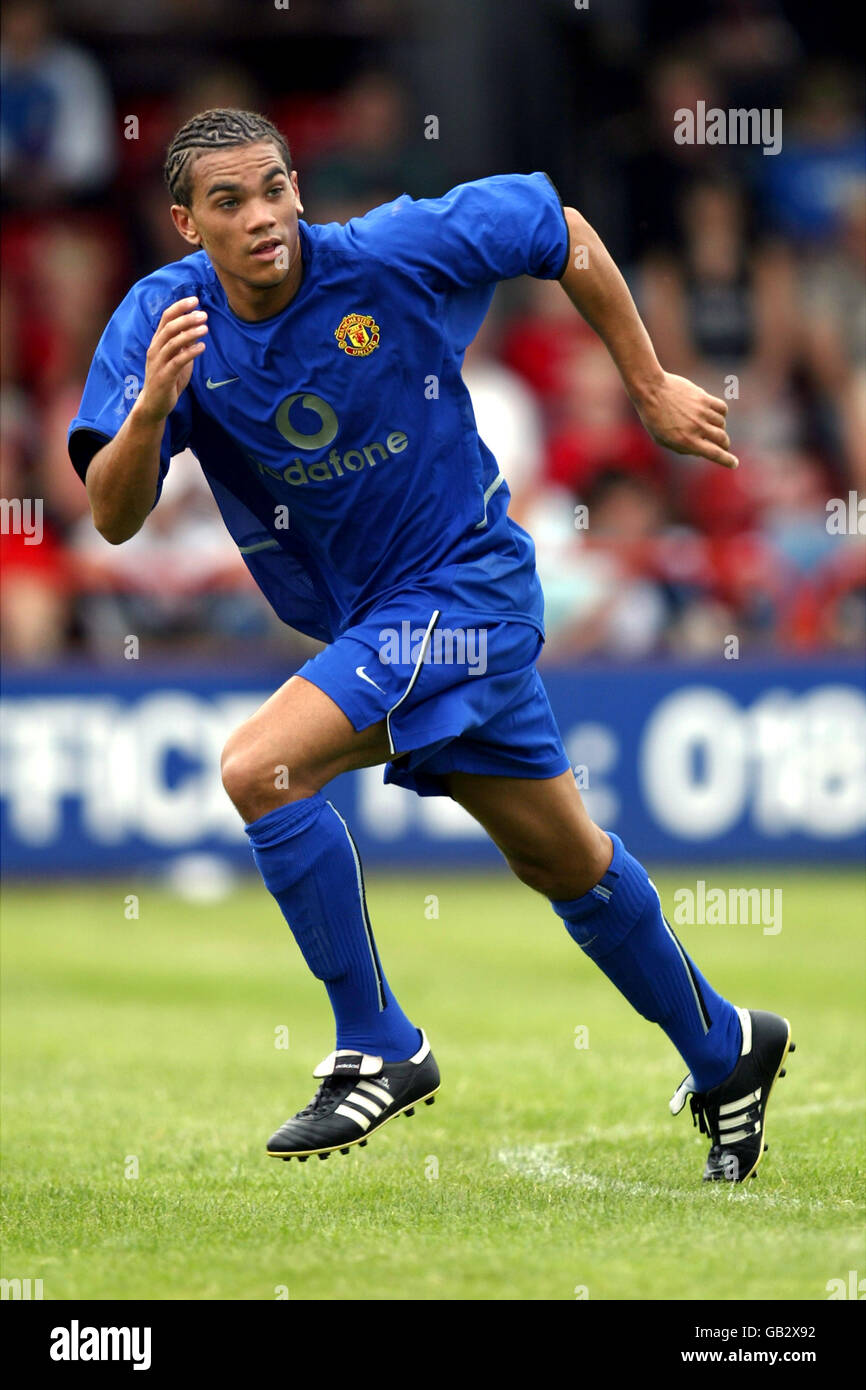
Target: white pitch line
<point x="657" y="1128"/>
<point x="541" y="1163"/>
<point x="538" y="1167"/>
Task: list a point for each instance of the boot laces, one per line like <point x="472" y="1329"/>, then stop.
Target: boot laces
<point x="700" y="1117"/>
<point x="331" y="1091"/>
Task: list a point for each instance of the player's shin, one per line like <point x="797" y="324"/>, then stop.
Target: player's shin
<point x="310" y="863"/>
<point x="620" y="924"/>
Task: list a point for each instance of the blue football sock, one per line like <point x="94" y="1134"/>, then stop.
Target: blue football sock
<point x="621" y="926"/>
<point x="310" y="863"/>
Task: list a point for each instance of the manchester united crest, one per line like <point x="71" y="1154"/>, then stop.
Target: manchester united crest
<point x="357" y="335"/>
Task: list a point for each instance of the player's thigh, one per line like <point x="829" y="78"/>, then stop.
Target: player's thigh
<point x="541" y="826"/>
<point x="302" y="730"/>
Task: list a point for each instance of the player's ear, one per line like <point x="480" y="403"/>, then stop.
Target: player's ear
<point x="183" y="220"/>
<point x="293" y="180"/>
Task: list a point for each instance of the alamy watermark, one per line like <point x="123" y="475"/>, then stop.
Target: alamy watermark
<point x="22" y="516"/>
<point x="23" y="1289"/>
<point x="715" y="907"/>
<point x="77" y="1343"/>
<point x="846" y="516"/>
<point x="852" y="1287"/>
<point x="737" y="126"/>
<point x="445" y="646"/>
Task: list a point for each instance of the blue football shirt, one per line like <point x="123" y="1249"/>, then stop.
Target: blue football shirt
<point x="337" y="436"/>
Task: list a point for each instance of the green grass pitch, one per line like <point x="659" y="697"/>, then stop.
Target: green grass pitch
<point x="141" y="1079"/>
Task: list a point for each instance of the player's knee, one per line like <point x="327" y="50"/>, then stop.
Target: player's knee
<point x="254" y="781"/>
<point x="559" y="877"/>
<point x="237" y="768"/>
<point x="534" y="874"/>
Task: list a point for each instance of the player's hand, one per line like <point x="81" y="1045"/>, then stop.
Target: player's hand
<point x="682" y="417"/>
<point x="174" y="347"/>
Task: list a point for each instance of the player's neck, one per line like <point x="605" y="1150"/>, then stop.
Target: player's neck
<point x="252" y="303"/>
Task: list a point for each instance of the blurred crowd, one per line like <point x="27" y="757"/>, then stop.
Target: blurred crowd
<point x="748" y="270"/>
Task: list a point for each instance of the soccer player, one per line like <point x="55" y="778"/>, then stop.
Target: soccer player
<point x="315" y="372"/>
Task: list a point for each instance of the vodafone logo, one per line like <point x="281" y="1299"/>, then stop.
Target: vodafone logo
<point x="327" y="416"/>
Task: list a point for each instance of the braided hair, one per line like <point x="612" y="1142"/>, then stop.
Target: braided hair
<point x="218" y="129"/>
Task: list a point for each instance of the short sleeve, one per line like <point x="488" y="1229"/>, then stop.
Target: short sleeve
<point x="478" y="233"/>
<point x="113" y="383"/>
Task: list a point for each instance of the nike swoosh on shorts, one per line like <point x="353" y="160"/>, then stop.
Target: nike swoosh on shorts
<point x="359" y="671"/>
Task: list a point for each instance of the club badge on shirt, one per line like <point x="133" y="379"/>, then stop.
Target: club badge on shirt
<point x="357" y="335"/>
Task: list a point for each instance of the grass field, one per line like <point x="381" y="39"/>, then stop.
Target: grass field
<point x="150" y="1043"/>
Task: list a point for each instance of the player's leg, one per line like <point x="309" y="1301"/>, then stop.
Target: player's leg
<point x="274" y="768"/>
<point x="541" y="826"/>
<point x="610" y="908"/>
<point x="294" y="743"/>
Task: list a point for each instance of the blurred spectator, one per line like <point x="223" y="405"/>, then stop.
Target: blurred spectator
<point x="754" y="46"/>
<point x="793" y="512"/>
<point x="35" y="610"/>
<point x="34" y="605"/>
<point x="720" y="301"/>
<point x="661" y="172"/>
<point x="67" y="280"/>
<point x="541" y="341"/>
<point x="56" y="124"/>
<point x="833" y="289"/>
<point x="723" y="312"/>
<point x="380" y="152"/>
<point x="599" y="594"/>
<point x="598" y="430"/>
<point x="806" y="185"/>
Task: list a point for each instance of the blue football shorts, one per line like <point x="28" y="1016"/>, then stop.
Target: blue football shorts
<point x="455" y="698"/>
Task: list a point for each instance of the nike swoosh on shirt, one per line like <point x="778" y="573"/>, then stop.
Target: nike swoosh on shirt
<point x="359" y="671"/>
<point x="212" y="385"/>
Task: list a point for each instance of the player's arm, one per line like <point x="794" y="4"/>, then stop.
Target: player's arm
<point x="675" y="411"/>
<point x="122" y="477"/>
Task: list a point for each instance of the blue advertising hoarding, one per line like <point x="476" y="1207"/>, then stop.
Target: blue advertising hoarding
<point x="114" y="771"/>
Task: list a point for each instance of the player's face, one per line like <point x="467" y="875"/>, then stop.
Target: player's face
<point x="244" y="213"/>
